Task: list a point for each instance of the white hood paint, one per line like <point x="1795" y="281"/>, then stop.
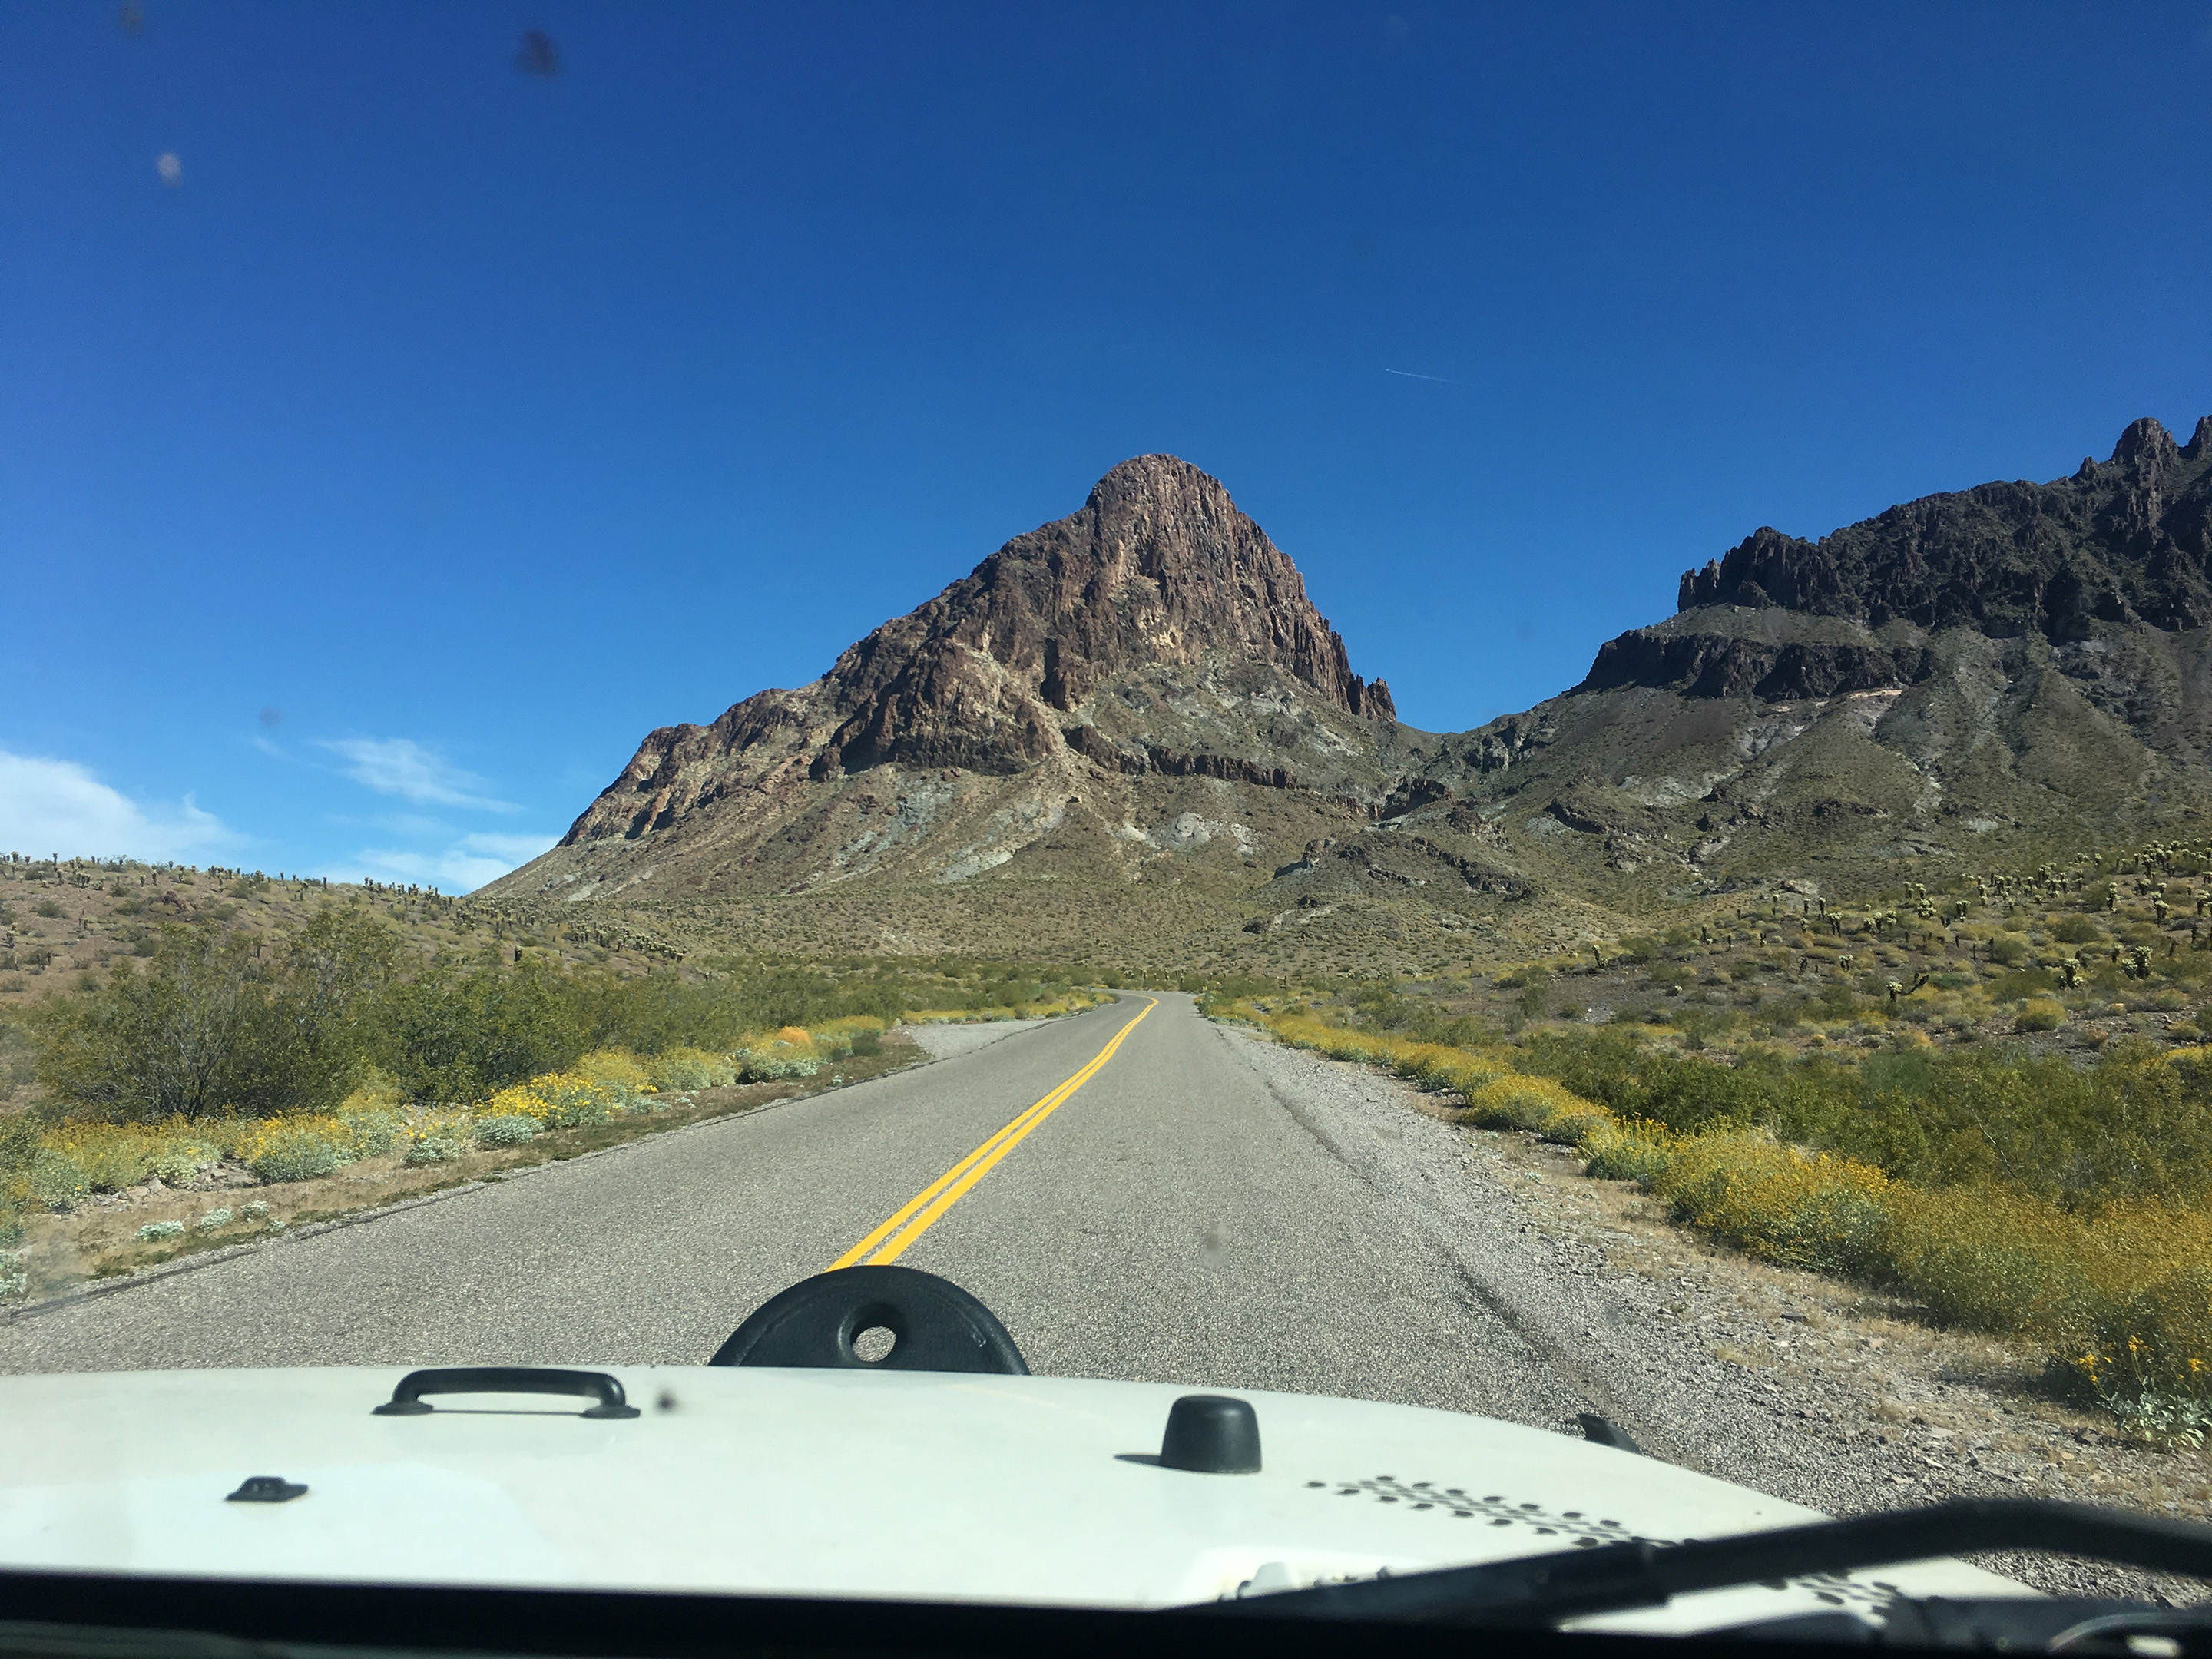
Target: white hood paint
<point x="843" y="1483"/>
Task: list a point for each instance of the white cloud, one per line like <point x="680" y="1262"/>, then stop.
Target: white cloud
<point x="461" y="867"/>
<point x="402" y="766"/>
<point x="58" y="806"/>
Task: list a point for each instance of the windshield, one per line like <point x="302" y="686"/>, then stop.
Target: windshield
<point x="1467" y="711"/>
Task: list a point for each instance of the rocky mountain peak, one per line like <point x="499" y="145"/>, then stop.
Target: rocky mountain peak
<point x="2145" y="442"/>
<point x="1085" y="643"/>
<point x="1158" y="567"/>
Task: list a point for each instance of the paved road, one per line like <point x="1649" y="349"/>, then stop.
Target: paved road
<point x="1182" y="1217"/>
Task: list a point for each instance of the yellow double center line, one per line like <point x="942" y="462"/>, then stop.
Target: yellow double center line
<point x="920" y="1211"/>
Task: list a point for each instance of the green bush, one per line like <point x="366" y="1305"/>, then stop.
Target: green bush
<point x="2077" y="930"/>
<point x="436" y="1149"/>
<point x="570" y="1106"/>
<point x="371" y="1133"/>
<point x="217" y="1023"/>
<point x="297" y="1154"/>
<point x="56" y="1180"/>
<point x="687" y="1069"/>
<point x="771" y="1068"/>
<point x="1632" y="1151"/>
<point x="509" y="1129"/>
<point x="460" y="1035"/>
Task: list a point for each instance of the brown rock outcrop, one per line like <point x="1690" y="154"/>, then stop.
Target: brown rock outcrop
<point x="1158" y="567"/>
<point x="1158" y="570"/>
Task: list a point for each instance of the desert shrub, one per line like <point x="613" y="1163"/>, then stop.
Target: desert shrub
<point x="616" y="1069"/>
<point x="211" y="1027"/>
<point x="2077" y="930"/>
<point x="2131" y="1125"/>
<point x="2041" y="1015"/>
<point x="508" y="1129"/>
<point x="1993" y="1261"/>
<point x="114" y="1155"/>
<point x="2156" y="1342"/>
<point x="2007" y="950"/>
<point x="1539" y="1104"/>
<point x="685" y="1069"/>
<point x="778" y="1059"/>
<point x="1810" y="1209"/>
<point x="1636" y="1151"/>
<point x="371" y="1133"/>
<point x="440" y="1147"/>
<point x="455" y="1035"/>
<point x="296" y="1150"/>
<point x="56" y="1180"/>
<point x="614" y="1083"/>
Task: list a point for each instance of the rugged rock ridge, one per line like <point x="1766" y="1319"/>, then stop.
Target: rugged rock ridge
<point x="1158" y="573"/>
<point x="2125" y="541"/>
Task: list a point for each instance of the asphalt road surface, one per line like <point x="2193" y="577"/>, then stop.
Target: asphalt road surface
<point x="1182" y="1216"/>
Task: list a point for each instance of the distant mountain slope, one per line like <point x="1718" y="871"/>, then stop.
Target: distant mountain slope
<point x="2017" y="664"/>
<point x="1130" y="734"/>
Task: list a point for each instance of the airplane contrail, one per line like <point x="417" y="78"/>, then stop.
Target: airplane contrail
<point x="1408" y="375"/>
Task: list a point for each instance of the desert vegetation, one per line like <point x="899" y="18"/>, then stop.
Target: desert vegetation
<point x="1991" y="1099"/>
<point x="348" y="1037"/>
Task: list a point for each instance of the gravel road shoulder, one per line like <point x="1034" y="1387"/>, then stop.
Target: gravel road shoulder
<point x="943" y="1042"/>
<point x="1816" y="1391"/>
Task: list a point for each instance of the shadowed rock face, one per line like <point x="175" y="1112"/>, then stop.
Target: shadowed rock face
<point x="2127" y="541"/>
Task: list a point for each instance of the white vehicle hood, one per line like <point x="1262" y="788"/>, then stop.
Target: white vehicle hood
<point x="843" y="1483"/>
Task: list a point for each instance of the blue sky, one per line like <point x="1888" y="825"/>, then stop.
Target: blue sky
<point x="377" y="471"/>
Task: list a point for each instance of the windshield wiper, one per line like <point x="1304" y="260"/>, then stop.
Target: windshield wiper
<point x="1544" y="1589"/>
